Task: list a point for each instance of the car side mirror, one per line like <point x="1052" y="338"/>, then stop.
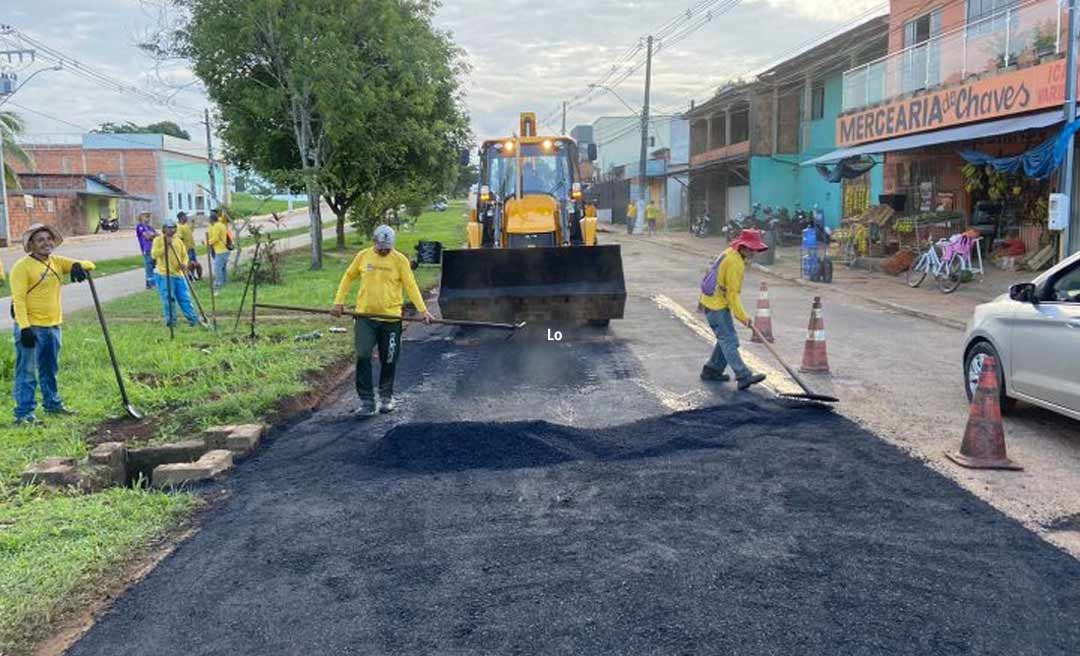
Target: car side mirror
<point x="1023" y="292"/>
<point x="591" y="148"/>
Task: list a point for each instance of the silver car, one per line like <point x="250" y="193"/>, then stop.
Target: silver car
<point x="1034" y="332"/>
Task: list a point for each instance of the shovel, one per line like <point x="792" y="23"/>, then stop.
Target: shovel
<point x="445" y="322"/>
<point x="808" y="394"/>
<point x="131" y="410"/>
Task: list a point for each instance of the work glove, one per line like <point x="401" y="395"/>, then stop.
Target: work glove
<point x="78" y="274"/>
<point x="27" y="338"/>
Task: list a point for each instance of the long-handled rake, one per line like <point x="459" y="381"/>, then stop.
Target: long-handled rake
<point x="807" y="394"/>
<point x="445" y="322"/>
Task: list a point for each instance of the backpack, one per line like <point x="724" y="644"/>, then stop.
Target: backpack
<point x="708" y="283"/>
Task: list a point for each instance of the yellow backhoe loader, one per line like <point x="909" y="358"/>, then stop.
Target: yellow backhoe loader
<point x="532" y="253"/>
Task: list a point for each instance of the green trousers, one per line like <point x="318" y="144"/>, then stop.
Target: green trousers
<point x="387" y="337"/>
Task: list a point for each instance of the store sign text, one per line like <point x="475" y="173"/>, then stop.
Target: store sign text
<point x="1010" y="93"/>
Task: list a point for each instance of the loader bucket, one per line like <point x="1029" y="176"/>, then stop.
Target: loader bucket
<point x="571" y="283"/>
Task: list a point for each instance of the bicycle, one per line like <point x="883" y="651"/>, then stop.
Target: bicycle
<point x="959" y="267"/>
<point x="929" y="261"/>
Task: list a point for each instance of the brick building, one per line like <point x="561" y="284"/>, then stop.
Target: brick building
<point x="147" y="172"/>
<point x="73" y="203"/>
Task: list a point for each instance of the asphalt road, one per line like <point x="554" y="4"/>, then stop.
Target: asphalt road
<point x="590" y="495"/>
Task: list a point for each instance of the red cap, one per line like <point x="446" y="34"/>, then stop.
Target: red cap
<point x="750" y="239"/>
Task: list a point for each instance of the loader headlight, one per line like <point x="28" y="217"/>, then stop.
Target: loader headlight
<point x="547" y="144"/>
<point x="575" y="191"/>
<point x="485" y="193"/>
<point x="508" y="146"/>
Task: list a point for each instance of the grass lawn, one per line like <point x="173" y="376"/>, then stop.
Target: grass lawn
<point x="121" y="264"/>
<point x="243" y="204"/>
<point x="54" y="547"/>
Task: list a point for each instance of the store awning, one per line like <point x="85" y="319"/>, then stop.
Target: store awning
<point x="962" y="133"/>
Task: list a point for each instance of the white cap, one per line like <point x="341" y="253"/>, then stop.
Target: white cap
<point x="384" y="237"/>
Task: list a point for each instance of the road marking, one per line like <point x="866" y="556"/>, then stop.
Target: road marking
<point x="778" y="381"/>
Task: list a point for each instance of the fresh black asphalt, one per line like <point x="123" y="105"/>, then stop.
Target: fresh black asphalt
<point x="752" y="527"/>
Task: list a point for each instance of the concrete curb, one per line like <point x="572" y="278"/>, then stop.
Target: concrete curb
<point x="896" y="307"/>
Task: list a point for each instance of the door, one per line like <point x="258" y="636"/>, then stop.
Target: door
<point x="1045" y="342"/>
<point x="738" y="201"/>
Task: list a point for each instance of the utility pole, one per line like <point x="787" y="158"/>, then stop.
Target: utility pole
<point x="1070" y="237"/>
<point x="8" y="89"/>
<point x="643" y="196"/>
<point x="210" y="156"/>
<point x="564" y="118"/>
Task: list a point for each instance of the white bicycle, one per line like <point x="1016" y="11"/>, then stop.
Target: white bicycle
<point x="929" y="261"/>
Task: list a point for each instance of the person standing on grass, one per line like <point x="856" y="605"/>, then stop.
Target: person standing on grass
<point x="186" y="234"/>
<point x="724" y="306"/>
<point x="145" y="233"/>
<point x="169" y="255"/>
<point x="218" y="242"/>
<point x="35" y="304"/>
<point x="384" y="274"/>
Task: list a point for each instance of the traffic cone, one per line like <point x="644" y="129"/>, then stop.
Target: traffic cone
<point x="815" y="356"/>
<point x="763" y="316"/>
<point x="984" y="439"/>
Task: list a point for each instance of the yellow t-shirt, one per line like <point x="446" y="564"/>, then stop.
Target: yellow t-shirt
<point x="651" y="213"/>
<point x="186" y="234"/>
<point x="216" y="237"/>
<point x="729" y="280"/>
<point x="35" y="289"/>
<point x="631" y="210"/>
<point x="177" y="258"/>
<point x="382" y="279"/>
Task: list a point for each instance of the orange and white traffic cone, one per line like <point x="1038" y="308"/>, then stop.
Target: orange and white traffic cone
<point x="815" y="355"/>
<point x="763" y="316"/>
<point x="984" y="439"/>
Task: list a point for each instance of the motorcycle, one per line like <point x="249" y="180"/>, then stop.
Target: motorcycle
<point x="699" y="227"/>
<point x="108" y="225"/>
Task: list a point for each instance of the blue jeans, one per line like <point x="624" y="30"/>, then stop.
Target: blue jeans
<point x="181" y="294"/>
<point x="726" y="351"/>
<point x="148" y="266"/>
<point x="37" y="365"/>
<point x="221" y="269"/>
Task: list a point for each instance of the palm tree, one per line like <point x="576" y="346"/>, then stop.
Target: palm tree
<point x="10" y="127"/>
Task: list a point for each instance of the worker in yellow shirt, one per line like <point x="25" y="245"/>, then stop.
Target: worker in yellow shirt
<point x="631" y="217"/>
<point x="186" y="233"/>
<point x="218" y="241"/>
<point x="169" y="257"/>
<point x="723" y="307"/>
<point x="35" y="302"/>
<point x="384" y="273"/>
<point x="652" y="213"/>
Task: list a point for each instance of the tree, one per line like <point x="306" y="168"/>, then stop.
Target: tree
<point x="467" y="175"/>
<point x="12" y="126"/>
<point x="340" y="97"/>
<point x="161" y="127"/>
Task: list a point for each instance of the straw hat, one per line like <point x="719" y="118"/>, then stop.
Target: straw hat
<point x="38" y="227"/>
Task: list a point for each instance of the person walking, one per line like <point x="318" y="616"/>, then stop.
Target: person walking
<point x="35" y="301"/>
<point x="145" y="233"/>
<point x="723" y="307"/>
<point x="169" y="255"/>
<point x="383" y="273"/>
<point x="651" y="214"/>
<point x="186" y="234"/>
<point x="218" y="242"/>
<point x="631" y="217"/>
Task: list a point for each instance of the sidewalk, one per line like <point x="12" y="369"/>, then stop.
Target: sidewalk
<point x="951" y="310"/>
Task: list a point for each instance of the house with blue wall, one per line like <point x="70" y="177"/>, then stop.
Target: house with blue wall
<point x="807" y="97"/>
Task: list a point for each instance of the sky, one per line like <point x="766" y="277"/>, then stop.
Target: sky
<point x="524" y="55"/>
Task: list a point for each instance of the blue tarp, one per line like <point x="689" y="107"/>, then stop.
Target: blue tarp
<point x="1040" y="162"/>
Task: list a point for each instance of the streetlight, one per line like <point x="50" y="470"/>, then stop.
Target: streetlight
<point x="5" y="227"/>
<point x="7" y="97"/>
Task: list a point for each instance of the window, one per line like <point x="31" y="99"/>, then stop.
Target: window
<point x="1066" y="289"/>
<point x="978" y="11"/>
<point x="817" y="103"/>
<point x="189" y="203"/>
<point x="652" y="142"/>
<point x="199" y="203"/>
<point x="170" y="201"/>
<point x="50" y="206"/>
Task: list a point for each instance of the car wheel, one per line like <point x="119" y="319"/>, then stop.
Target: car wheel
<point x="973" y="366"/>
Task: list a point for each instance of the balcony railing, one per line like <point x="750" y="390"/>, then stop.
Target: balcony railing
<point x="1020" y="35"/>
